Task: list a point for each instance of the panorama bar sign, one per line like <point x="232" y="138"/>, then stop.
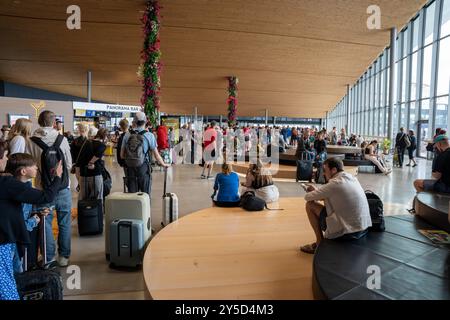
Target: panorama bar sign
<point x="105" y="107"/>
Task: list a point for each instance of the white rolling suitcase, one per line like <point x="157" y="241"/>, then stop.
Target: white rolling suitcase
<point x="170" y="205"/>
<point x="127" y="243"/>
<point x="121" y="205"/>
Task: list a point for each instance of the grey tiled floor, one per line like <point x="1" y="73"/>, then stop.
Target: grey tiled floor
<point x="100" y="282"/>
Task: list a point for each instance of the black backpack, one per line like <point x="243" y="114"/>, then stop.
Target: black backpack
<point x="250" y="202"/>
<point x="376" y="212"/>
<point x="50" y="158"/>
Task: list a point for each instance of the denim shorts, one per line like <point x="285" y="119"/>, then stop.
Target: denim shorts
<point x="435" y="186"/>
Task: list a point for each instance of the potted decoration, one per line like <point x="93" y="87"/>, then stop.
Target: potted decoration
<point x="386" y="146"/>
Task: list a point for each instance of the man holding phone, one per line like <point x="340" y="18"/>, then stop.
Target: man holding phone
<point x="345" y="215"/>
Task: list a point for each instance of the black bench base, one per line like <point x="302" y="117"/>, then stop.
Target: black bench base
<point x="410" y="266"/>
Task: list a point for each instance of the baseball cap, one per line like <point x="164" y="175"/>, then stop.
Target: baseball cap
<point x="140" y="116"/>
<point x="440" y="138"/>
<point x="59" y="121"/>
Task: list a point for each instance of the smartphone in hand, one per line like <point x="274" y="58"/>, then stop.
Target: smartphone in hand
<point x="305" y="187"/>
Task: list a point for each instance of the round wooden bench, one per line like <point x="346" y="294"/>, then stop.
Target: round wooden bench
<point x="232" y="254"/>
<point x="434" y="208"/>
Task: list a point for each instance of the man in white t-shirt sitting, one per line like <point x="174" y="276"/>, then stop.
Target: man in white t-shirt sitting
<point x="346" y="212"/>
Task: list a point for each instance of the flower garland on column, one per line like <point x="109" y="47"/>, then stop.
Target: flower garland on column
<point x="232" y="100"/>
<point x="150" y="69"/>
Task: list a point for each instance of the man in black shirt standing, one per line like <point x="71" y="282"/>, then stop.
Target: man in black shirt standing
<point x="441" y="172"/>
<point x="401" y="143"/>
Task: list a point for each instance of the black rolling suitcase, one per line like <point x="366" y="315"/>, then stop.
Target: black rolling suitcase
<point x="90" y="215"/>
<point x="41" y="283"/>
<point x="304" y="169"/>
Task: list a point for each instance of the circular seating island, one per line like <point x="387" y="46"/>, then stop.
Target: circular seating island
<point x="434" y="208"/>
<point x="409" y="265"/>
<point x="281" y="172"/>
<point x="232" y="254"/>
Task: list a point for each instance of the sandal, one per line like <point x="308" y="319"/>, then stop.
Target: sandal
<point x="309" y="248"/>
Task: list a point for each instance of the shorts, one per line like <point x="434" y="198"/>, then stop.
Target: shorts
<point x="435" y="186"/>
<point x="346" y="237"/>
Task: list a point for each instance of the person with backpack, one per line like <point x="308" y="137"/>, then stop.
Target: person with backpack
<point x="48" y="148"/>
<point x="346" y="214"/>
<point x="138" y="147"/>
<point x="124" y="125"/>
<point x="401" y="144"/>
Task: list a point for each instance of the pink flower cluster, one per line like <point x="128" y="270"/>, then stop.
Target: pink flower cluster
<point x="150" y="57"/>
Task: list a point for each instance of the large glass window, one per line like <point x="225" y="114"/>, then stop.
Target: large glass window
<point x="445" y="24"/>
<point x="426" y="79"/>
<point x="404" y="79"/>
<point x="412" y="115"/>
<point x="425" y="111"/>
<point x="442" y="113"/>
<point x="444" y="67"/>
<point x="416" y="26"/>
<point x="414" y="77"/>
<point x="429" y="23"/>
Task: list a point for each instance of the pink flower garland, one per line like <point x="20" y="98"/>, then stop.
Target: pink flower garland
<point x="232" y="100"/>
<point x="150" y="56"/>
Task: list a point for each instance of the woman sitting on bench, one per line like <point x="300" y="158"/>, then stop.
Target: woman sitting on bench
<point x="260" y="181"/>
<point x="226" y="188"/>
<point x="370" y="154"/>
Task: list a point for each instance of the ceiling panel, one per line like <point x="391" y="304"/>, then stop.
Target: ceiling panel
<point x="292" y="57"/>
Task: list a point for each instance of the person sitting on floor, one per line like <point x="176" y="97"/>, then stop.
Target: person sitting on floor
<point x="346" y="214"/>
<point x="370" y="154"/>
<point x="226" y="188"/>
<point x="441" y="170"/>
<point x="259" y="180"/>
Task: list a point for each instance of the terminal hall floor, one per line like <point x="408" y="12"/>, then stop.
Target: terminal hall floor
<point x="100" y="282"/>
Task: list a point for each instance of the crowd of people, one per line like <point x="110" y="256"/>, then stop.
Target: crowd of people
<point x="27" y="156"/>
<point x="24" y="157"/>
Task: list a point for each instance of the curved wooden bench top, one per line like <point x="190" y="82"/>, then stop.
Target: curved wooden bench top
<point x="343" y="149"/>
<point x="232" y="254"/>
<point x="281" y="171"/>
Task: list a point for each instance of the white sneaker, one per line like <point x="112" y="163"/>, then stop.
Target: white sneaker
<point x="63" y="261"/>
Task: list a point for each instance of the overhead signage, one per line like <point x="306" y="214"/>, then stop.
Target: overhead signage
<point x="106" y="107"/>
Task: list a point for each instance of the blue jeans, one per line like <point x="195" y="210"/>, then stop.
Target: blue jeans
<point x="63" y="206"/>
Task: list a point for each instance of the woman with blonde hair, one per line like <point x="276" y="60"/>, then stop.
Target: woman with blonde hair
<point x="79" y="146"/>
<point x="259" y="180"/>
<point x="19" y="135"/>
<point x="226" y="188"/>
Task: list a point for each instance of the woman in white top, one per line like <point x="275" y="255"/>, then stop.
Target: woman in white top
<point x="260" y="181"/>
<point x="19" y="135"/>
<point x="371" y="155"/>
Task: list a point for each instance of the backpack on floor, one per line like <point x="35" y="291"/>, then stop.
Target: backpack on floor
<point x="376" y="212"/>
<point x="250" y="202"/>
<point x="50" y="158"/>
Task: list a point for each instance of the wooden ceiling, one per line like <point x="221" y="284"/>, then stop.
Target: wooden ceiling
<point x="293" y="57"/>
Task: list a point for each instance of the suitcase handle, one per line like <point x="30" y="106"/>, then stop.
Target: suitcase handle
<point x="165" y="181"/>
<point x="41" y="245"/>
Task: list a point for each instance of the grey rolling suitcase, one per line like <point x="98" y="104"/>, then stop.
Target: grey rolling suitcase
<point x="169" y="205"/>
<point x="126" y="243"/>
